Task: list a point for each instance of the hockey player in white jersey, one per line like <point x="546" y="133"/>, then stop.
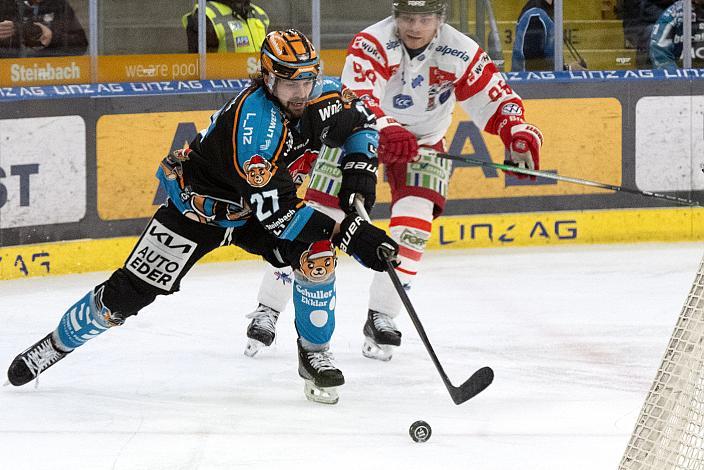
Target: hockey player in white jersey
<point x="411" y="69"/>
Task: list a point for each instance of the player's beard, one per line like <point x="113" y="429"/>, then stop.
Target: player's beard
<point x="295" y="107"/>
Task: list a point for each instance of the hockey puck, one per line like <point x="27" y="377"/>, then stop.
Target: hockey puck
<point x="420" y="431"/>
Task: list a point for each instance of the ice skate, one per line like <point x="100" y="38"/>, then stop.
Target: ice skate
<point x="380" y="336"/>
<point x="320" y="375"/>
<point x="261" y="330"/>
<point x="33" y="361"/>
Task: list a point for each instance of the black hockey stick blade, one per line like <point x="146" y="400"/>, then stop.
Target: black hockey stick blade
<point x="474" y="385"/>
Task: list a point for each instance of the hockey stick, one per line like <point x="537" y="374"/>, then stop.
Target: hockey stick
<point x="480" y="380"/>
<point x="554" y="176"/>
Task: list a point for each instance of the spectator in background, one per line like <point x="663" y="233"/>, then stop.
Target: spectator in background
<point x="666" y="39"/>
<point x="639" y="17"/>
<point x="231" y="26"/>
<point x="534" y="47"/>
<point x="40" y="28"/>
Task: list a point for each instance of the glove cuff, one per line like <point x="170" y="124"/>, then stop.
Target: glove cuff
<point x="505" y="127"/>
<point x="386" y="121"/>
<point x="529" y="129"/>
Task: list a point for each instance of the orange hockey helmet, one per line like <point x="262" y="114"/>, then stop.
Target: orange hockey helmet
<point x="289" y="55"/>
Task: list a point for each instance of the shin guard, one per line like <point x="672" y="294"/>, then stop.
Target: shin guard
<point x="315" y="309"/>
<point x="410" y="227"/>
<point x="275" y="288"/>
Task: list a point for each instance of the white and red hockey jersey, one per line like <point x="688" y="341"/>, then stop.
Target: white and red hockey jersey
<point x="420" y="93"/>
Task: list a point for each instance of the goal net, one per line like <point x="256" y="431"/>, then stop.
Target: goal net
<point x="669" y="433"/>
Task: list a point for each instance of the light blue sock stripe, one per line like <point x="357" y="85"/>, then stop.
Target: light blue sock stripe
<point x="80" y="323"/>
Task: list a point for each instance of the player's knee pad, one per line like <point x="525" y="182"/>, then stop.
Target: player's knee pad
<point x="314" y="293"/>
<point x="85" y="320"/>
<point x="410" y="227"/>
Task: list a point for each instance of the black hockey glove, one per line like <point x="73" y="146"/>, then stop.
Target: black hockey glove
<point x="366" y="243"/>
<point x="358" y="177"/>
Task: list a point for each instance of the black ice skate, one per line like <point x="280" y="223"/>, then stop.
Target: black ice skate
<point x="33" y="361"/>
<point x="380" y="336"/>
<point x="261" y="330"/>
<point x="320" y="375"/>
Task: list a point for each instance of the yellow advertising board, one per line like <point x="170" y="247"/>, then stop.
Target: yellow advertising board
<point x="41" y="71"/>
<point x="148" y="67"/>
<point x="224" y="65"/>
<point x="83" y="256"/>
<point x="476" y="231"/>
<point x="129" y="148"/>
<point x="582" y="139"/>
<point x="568" y="227"/>
<point x="333" y="61"/>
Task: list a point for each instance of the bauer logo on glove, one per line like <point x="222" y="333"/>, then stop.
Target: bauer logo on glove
<point x="368" y="244"/>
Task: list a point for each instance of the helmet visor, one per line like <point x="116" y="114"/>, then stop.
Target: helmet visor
<point x="301" y="90"/>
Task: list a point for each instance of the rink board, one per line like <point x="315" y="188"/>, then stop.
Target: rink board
<point x="77" y="166"/>
<point x="452" y="232"/>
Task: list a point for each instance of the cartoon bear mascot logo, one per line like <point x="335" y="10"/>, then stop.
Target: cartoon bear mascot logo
<point x="318" y="262"/>
<point x="258" y="170"/>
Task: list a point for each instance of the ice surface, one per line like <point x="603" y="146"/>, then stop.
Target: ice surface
<point x="574" y="336"/>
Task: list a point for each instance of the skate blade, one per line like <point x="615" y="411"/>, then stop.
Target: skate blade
<point x="380" y="352"/>
<point x="253" y="347"/>
<point x="326" y="396"/>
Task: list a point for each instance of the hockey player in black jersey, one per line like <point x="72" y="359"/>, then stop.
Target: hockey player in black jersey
<point x="236" y="184"/>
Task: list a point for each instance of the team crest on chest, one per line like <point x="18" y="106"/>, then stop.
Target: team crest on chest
<point x="258" y="171"/>
<point x="440" y="87"/>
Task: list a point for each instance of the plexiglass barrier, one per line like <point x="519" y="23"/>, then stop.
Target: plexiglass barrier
<point x="93" y="41"/>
